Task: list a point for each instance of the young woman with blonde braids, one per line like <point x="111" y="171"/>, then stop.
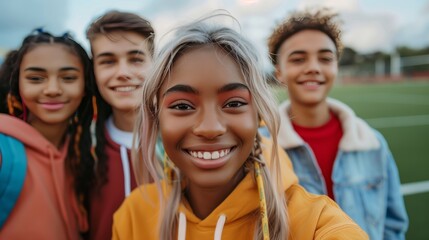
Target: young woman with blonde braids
<point x="206" y="97"/>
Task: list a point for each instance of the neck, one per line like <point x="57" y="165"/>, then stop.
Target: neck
<point x="54" y="133"/>
<point x="313" y="116"/>
<point x="204" y="200"/>
<point x="124" y="120"/>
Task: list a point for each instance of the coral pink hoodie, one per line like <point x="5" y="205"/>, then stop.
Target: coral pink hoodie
<point x="47" y="207"/>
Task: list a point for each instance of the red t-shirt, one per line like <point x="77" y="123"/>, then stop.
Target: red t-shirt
<point x="324" y="142"/>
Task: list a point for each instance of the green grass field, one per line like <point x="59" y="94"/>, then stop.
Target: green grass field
<point x="400" y="111"/>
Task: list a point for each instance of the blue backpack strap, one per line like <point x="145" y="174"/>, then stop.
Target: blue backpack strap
<point x="13" y="170"/>
<point x="264" y="132"/>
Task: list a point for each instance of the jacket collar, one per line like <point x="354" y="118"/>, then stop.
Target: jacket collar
<point x="357" y="134"/>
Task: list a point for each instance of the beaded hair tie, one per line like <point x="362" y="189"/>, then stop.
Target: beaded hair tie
<point x="92" y="129"/>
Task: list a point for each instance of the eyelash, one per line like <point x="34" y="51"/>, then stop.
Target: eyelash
<point x="188" y="107"/>
<point x="106" y="62"/>
<point x="69" y="78"/>
<point x="137" y="60"/>
<point x="34" y="78"/>
<point x="179" y="106"/>
<point x="239" y="103"/>
<point x="301" y="60"/>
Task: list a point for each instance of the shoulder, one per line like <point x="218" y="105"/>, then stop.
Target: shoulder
<point x="321" y="216"/>
<point x="138" y="215"/>
<point x="142" y="201"/>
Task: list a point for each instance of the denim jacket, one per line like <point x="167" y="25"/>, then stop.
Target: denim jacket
<point x="365" y="178"/>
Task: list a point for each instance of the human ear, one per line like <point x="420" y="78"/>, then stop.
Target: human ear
<point x="279" y="75"/>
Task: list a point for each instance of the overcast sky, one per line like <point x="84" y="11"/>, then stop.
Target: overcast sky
<point x="369" y="25"/>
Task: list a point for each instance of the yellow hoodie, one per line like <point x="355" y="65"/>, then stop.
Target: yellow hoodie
<point x="310" y="216"/>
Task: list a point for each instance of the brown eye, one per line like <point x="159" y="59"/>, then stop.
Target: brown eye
<point x="35" y="78"/>
<point x="235" y="104"/>
<point x="181" y="107"/>
<point x="70" y="78"/>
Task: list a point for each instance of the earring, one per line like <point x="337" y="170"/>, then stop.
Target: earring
<point x="13" y="103"/>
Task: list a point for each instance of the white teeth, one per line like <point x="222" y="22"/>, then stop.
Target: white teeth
<point x="311" y="83"/>
<point x="125" y="88"/>
<point x="207" y="155"/>
<point x="215" y="155"/>
<point x="210" y="155"/>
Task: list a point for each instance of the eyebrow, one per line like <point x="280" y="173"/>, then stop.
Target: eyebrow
<point x="189" y="89"/>
<point x="181" y="88"/>
<point x="233" y="86"/>
<point x="37" y="69"/>
<point x="132" y="52"/>
<point x="324" y="50"/>
<point x="136" y="52"/>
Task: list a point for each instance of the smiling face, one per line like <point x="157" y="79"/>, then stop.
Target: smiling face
<point x="51" y="84"/>
<point x="208" y="121"/>
<point x="308" y="65"/>
<point x="121" y="61"/>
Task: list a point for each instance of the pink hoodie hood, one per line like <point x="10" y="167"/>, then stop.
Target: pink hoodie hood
<point x="47" y="207"/>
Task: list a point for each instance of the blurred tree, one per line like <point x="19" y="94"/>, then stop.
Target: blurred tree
<point x="349" y="57"/>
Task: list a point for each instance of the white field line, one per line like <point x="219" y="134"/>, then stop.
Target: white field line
<point x="415" y="187"/>
<point x="403" y="121"/>
<point x="422" y="100"/>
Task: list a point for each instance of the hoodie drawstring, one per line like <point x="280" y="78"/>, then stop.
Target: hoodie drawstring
<point x="182" y="227"/>
<point x="126" y="170"/>
<point x="218" y="231"/>
<point x="219" y="227"/>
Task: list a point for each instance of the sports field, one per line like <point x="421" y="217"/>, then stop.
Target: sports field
<point x="400" y="111"/>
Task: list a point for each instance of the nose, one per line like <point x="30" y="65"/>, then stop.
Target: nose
<point x="210" y="124"/>
<point x="53" y="88"/>
<point x="313" y="66"/>
<point x="123" y="71"/>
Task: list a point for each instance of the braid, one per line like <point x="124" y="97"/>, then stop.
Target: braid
<point x="92" y="131"/>
<point x="259" y="164"/>
<point x="13" y="103"/>
<point x="77" y="136"/>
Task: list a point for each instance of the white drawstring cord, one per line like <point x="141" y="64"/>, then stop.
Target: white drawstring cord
<point x="219" y="227"/>
<point x="126" y="170"/>
<point x="182" y="227"/>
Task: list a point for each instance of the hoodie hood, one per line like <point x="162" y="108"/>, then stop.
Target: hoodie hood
<point x="47" y="191"/>
<point x="29" y="136"/>
<point x="357" y="134"/>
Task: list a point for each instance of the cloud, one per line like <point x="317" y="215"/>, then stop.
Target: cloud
<point x="337" y="5"/>
<point x="368" y="25"/>
<point x="367" y="32"/>
<point x="19" y="17"/>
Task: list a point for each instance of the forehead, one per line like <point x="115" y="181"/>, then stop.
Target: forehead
<point x="206" y="67"/>
<point x="307" y="41"/>
<point x="49" y="55"/>
<point x="118" y="42"/>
